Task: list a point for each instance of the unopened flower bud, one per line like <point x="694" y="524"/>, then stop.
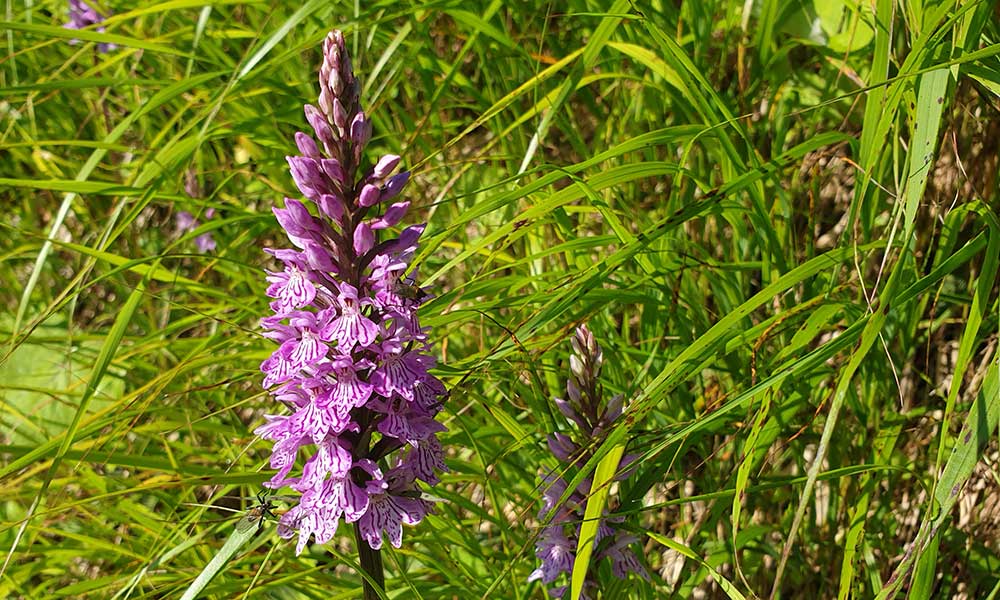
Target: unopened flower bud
<point x="361" y="130"/>
<point x="307" y="145"/>
<point x="364" y="238"/>
<point x="385" y="165"/>
<point x="392" y="215"/>
<point x="370" y="195"/>
<point x="395" y="185"/>
<point x="339" y="115"/>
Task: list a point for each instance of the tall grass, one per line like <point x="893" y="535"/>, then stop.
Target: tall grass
<point x="780" y="219"/>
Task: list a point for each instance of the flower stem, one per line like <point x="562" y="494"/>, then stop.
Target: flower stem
<point x="371" y="564"/>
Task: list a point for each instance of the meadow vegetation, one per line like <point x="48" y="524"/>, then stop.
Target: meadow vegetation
<point x="780" y="220"/>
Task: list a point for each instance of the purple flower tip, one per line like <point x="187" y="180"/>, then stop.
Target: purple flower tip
<point x="385" y="165"/>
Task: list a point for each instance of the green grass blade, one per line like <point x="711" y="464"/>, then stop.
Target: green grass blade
<point x="111" y="346"/>
<point x="50" y="31"/>
<point x="727" y="586"/>
<point x="980" y="426"/>
<point x="244" y="531"/>
<point x="597" y="499"/>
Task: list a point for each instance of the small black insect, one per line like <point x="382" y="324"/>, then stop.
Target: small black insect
<point x="256" y="514"/>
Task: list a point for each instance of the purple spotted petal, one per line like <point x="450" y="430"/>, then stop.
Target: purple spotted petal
<point x="557" y="554"/>
<point x="307" y="350"/>
<point x="292" y="288"/>
<point x="427" y="458"/>
<point x="331" y="458"/>
<point x="399" y="374"/>
<point x="387" y="513"/>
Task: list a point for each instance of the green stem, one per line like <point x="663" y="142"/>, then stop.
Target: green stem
<point x="371" y="564"/>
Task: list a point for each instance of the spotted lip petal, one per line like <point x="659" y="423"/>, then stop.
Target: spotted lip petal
<point x="427" y="458"/>
<point x="386" y="514"/>
<point x="292" y="288"/>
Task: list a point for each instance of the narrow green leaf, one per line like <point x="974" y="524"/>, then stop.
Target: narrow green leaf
<point x="243" y="532"/>
<point x="302" y="13"/>
<point x="980" y="426"/>
<point x="604" y="474"/>
<point x="157" y="100"/>
<point x="726" y="585"/>
<point x="111" y="346"/>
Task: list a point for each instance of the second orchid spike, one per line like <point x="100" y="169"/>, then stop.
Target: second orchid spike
<point x="592" y="418"/>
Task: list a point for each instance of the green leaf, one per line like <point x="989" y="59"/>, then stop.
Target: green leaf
<point x="980" y="426"/>
<point x="727" y="586"/>
<point x="597" y="499"/>
<point x="245" y="530"/>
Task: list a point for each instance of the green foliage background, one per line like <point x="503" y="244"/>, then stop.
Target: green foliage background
<point x="780" y="219"/>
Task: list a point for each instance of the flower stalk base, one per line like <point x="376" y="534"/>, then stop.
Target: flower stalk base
<point x="371" y="565"/>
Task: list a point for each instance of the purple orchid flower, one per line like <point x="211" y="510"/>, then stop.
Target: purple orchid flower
<point x="352" y="362"/>
<point x="82" y="16"/>
<point x="585" y="410"/>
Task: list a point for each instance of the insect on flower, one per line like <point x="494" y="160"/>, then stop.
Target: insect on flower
<point x="407" y="288"/>
<point x="264" y="508"/>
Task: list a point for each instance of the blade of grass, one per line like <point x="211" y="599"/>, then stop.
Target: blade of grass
<point x="245" y="530"/>
<point x="51" y="31"/>
<point x="727" y="586"/>
<point x="597" y="499"/>
<point x="980" y="426"/>
<point x="158" y="99"/>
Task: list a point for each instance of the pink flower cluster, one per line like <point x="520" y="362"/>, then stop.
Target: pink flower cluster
<point x="352" y="361"/>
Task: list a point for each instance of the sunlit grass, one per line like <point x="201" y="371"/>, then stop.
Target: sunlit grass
<point x="780" y="220"/>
